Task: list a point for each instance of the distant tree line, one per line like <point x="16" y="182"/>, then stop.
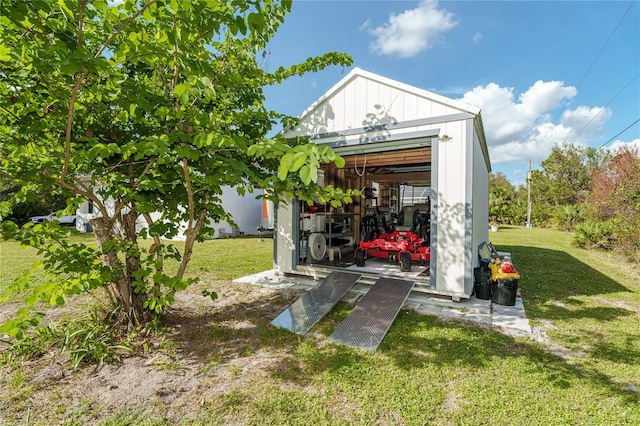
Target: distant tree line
<point x="33" y="204"/>
<point x="593" y="193"/>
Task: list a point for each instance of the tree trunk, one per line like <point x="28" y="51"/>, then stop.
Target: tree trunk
<point x="139" y="294"/>
<point x="121" y="286"/>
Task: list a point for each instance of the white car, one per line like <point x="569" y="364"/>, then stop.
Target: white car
<point x="64" y="220"/>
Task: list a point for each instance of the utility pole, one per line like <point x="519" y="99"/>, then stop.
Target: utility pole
<point x="529" y="224"/>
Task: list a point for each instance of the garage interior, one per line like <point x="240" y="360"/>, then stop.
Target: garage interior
<point x="389" y="180"/>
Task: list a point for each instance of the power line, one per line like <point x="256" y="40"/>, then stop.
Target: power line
<point x="575" y="91"/>
<point x="605" y="45"/>
<point x="605" y="107"/>
<point x="627" y="128"/>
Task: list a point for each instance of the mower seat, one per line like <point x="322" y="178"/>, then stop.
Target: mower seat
<point x="408" y="219"/>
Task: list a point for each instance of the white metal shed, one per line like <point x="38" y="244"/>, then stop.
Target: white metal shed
<point x="394" y="138"/>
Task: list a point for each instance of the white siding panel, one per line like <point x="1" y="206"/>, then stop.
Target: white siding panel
<point x="246" y="211"/>
<point x="360" y="103"/>
<point x="286" y="241"/>
<point x="451" y="209"/>
<point x="337" y="112"/>
<point x="372" y="98"/>
<point x="480" y="198"/>
<point x="424" y="107"/>
<point x="437" y="109"/>
<point x="409" y="106"/>
<point x="348" y="106"/>
<point x="385" y="98"/>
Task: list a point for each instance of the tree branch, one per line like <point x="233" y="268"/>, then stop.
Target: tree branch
<point x="81" y="23"/>
<point x="88" y="195"/>
<point x="176" y="68"/>
<point x="67" y="140"/>
<point x="44" y="33"/>
<point x="80" y="79"/>
<point x="192" y="232"/>
<point x="157" y="243"/>
<point x="201" y="35"/>
<point x="187" y="179"/>
<point x="122" y="27"/>
<point x="144" y="172"/>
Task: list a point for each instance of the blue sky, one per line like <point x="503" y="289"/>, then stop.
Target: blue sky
<point x="542" y="72"/>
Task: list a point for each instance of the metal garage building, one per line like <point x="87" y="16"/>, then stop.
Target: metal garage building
<point x="410" y="147"/>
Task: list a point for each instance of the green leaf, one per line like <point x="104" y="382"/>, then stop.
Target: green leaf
<point x="256" y="22"/>
<point x="242" y="27"/>
<point x="65" y="9"/>
<point x="5" y="53"/>
<point x="305" y="174"/>
<point x="339" y="162"/>
<point x="313" y="173"/>
<point x="180" y="89"/>
<point x="283" y="171"/>
<point x="206" y="81"/>
<point x="298" y="161"/>
<point x="212" y="294"/>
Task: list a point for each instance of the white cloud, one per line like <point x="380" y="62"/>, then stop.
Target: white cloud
<point x="412" y="31"/>
<point x="477" y="37"/>
<point x="522" y="129"/>
<point x="588" y="122"/>
<point x="620" y="144"/>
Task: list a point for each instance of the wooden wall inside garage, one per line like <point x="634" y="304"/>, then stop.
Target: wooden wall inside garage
<point x="348" y="179"/>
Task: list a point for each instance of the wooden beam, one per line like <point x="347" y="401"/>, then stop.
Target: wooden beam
<point x="389" y="158"/>
<point x="403" y="177"/>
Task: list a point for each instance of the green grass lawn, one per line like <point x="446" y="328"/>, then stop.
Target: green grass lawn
<point x="219" y="259"/>
<point x="431" y="372"/>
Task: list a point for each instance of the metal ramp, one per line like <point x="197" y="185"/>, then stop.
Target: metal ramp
<point x="370" y="320"/>
<point x="305" y="312"/>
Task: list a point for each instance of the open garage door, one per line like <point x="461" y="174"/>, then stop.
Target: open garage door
<point x="396" y="207"/>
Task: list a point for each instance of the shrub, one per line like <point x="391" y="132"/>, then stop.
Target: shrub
<point x="90" y="339"/>
<point x="566" y="218"/>
<point x="598" y="235"/>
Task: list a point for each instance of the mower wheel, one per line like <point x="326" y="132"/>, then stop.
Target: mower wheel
<point x="405" y="261"/>
<point x="360" y="257"/>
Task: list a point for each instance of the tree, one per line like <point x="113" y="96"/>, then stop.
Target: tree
<point x="33" y="205"/>
<point x="564" y="180"/>
<point x="615" y="194"/>
<point x="142" y="106"/>
<point x="505" y="204"/>
<point x="565" y="177"/>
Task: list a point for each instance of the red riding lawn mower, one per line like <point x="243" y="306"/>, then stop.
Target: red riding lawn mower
<point x="405" y="242"/>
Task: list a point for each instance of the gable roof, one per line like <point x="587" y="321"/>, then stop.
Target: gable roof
<point x="360" y="73"/>
<point x="350" y="113"/>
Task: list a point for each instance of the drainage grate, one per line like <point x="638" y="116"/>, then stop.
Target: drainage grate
<point x="305" y="312"/>
<point x="370" y="320"/>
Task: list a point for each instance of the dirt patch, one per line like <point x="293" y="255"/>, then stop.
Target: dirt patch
<point x="214" y="349"/>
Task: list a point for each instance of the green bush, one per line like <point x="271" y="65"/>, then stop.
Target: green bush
<point x="90" y="339"/>
<point x="541" y="215"/>
<point x="566" y="218"/>
<point x="595" y="235"/>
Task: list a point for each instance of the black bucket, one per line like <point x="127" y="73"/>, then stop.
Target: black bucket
<point x="504" y="291"/>
<point x="483" y="291"/>
<point x="481" y="283"/>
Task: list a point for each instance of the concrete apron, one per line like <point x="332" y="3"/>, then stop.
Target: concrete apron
<point x="511" y="320"/>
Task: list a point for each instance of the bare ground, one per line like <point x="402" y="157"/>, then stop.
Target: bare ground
<point x="214" y="349"/>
